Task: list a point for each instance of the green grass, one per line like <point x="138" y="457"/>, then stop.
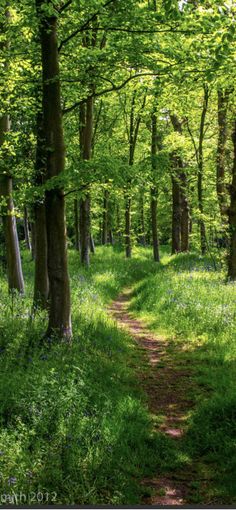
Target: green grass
<point x="190" y="303"/>
<point x="74" y="419"/>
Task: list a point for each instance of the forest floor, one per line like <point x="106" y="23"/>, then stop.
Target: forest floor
<point x="169" y="385"/>
<point x="122" y="416"/>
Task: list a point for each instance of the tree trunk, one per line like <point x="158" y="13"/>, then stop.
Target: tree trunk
<point x="14" y="268"/>
<point x="41" y="281"/>
<point x="184" y="214"/>
<point x="232" y="217"/>
<point x="142" y="237"/>
<point x="154" y="192"/>
<point x="223" y="98"/>
<point x="76" y="224"/>
<point x="176" y="214"/>
<point x="155" y="240"/>
<point x="32" y="227"/>
<point x="85" y="230"/>
<point x="200" y="171"/>
<point x="118" y="224"/>
<point x="128" y="245"/>
<point x="133" y="137"/>
<point x="105" y="218"/>
<point x="86" y="150"/>
<point x="59" y="306"/>
<point x="110" y="237"/>
<point x="26" y="229"/>
<point x="92" y="245"/>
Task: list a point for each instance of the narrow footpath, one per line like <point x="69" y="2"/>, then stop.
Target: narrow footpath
<point x="169" y="386"/>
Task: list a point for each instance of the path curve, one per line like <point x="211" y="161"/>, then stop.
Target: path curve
<point x="166" y="386"/>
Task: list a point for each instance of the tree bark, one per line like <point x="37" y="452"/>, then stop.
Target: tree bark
<point x="41" y="280"/>
<point x="134" y="125"/>
<point x="32" y="227"/>
<point x="176" y="209"/>
<point x="128" y="245"/>
<point x="14" y="267"/>
<point x="59" y="306"/>
<point x="142" y="237"/>
<point x="223" y="98"/>
<point x="232" y="216"/>
<point x="86" y="151"/>
<point x="182" y="215"/>
<point x="154" y="192"/>
<point x="200" y="171"/>
<point x="85" y="230"/>
<point x="92" y="245"/>
<point x="76" y="224"/>
<point x="105" y="218"/>
<point x="26" y="229"/>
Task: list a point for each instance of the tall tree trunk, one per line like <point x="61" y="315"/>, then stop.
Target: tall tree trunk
<point x="85" y="230"/>
<point x="154" y="192"/>
<point x="232" y="216"/>
<point x="59" y="306"/>
<point x="41" y="280"/>
<point x="118" y="223"/>
<point x="155" y="240"/>
<point x="176" y="210"/>
<point x="32" y="227"/>
<point x="128" y="244"/>
<point x="92" y="245"/>
<point x="181" y="181"/>
<point x="86" y="147"/>
<point x="26" y="229"/>
<point x="223" y="98"/>
<point x="76" y="224"/>
<point x="110" y="237"/>
<point x="142" y="237"/>
<point x="184" y="214"/>
<point x="133" y="137"/>
<point x="105" y="218"/>
<point x="14" y="268"/>
<point x="200" y="171"/>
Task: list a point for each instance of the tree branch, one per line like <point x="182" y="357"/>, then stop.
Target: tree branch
<point x="64" y="7"/>
<point x="114" y="88"/>
<point x="137" y="31"/>
<point x="84" y="26"/>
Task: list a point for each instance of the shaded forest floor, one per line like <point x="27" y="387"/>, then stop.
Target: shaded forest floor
<point x="99" y="422"/>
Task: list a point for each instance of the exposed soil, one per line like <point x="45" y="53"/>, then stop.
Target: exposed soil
<point x="168" y="385"/>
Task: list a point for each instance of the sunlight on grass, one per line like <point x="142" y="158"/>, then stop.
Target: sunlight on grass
<point x="74" y="419"/>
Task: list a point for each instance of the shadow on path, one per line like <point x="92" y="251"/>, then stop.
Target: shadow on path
<point x="168" y="383"/>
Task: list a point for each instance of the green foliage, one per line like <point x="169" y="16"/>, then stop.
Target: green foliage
<point x="190" y="303"/>
<point x="72" y="420"/>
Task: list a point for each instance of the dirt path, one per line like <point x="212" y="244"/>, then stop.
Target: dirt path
<point x="167" y="383"/>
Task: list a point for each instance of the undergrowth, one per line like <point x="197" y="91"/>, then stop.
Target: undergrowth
<point x="75" y="428"/>
<point x="191" y="304"/>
